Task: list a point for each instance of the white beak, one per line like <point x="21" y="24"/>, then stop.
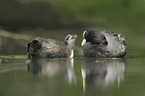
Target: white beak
<point x="83" y="42"/>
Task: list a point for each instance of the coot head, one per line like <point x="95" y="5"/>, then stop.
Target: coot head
<point x="69" y="40"/>
<point x="94" y="36"/>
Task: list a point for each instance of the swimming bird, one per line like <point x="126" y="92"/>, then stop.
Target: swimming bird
<point x="50" y="48"/>
<point x="103" y="44"/>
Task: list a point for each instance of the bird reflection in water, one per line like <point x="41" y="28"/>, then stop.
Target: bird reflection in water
<point x="52" y="67"/>
<point x="98" y="73"/>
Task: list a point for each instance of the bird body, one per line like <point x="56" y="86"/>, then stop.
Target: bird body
<point x="105" y="45"/>
<point x="50" y="48"/>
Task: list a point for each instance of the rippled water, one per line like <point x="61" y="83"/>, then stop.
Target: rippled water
<point x="72" y="77"/>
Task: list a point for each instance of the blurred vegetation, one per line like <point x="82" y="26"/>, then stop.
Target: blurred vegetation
<point x="17" y="14"/>
<point x="67" y="13"/>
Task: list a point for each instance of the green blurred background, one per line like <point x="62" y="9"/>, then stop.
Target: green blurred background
<point x="46" y="18"/>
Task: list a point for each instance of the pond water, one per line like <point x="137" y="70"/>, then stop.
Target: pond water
<point x="79" y="76"/>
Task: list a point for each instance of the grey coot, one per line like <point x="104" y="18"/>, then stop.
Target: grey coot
<point x="103" y="44"/>
<point x="50" y="48"/>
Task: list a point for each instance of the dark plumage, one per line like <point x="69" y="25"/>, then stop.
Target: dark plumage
<point x="50" y="48"/>
<point x="103" y="44"/>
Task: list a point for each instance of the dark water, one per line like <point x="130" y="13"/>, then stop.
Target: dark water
<point x="78" y="76"/>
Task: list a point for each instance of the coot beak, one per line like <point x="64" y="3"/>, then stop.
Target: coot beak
<point x="74" y="36"/>
<point x="83" y="42"/>
<point x="84" y="34"/>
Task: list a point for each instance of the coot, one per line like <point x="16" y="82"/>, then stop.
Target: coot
<point x="50" y="48"/>
<point x="103" y="44"/>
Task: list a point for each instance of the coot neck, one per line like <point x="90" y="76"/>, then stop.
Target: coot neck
<point x="71" y="52"/>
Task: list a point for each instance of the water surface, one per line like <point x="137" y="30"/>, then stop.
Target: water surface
<point x="71" y="77"/>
